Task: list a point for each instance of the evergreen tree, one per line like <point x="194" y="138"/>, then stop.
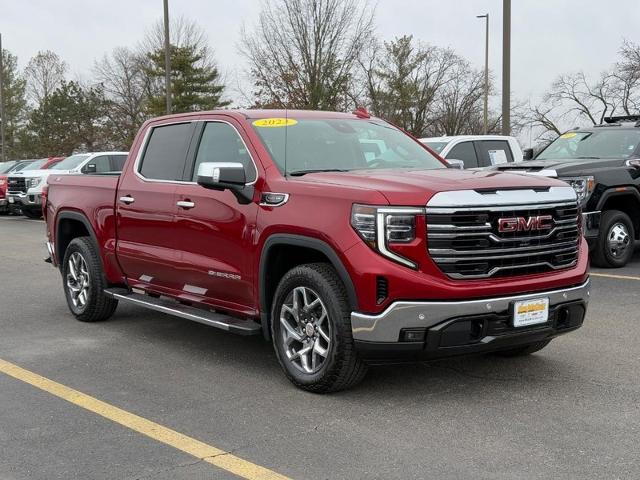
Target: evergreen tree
<point x="15" y="104"/>
<point x="194" y="84"/>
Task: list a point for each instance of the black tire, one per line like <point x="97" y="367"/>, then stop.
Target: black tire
<point x="523" y="350"/>
<point x="341" y="368"/>
<point x="97" y="306"/>
<point x="32" y="214"/>
<point x="603" y="256"/>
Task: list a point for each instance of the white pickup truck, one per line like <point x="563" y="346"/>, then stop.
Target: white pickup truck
<point x="25" y="188"/>
<point x="476" y="150"/>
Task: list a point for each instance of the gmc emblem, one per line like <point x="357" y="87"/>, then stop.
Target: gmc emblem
<point x="522" y="224"/>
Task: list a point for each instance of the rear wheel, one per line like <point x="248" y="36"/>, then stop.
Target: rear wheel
<point x="311" y="330"/>
<point x="615" y="241"/>
<point x="84" y="282"/>
<point x="523" y="350"/>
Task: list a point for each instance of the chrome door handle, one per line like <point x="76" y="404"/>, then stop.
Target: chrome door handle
<point x="185" y="204"/>
<point x="128" y="199"/>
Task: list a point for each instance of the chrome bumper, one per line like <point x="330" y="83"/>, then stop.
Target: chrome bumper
<point x="25" y="199"/>
<point x="386" y="326"/>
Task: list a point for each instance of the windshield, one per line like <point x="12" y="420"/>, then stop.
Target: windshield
<point x="306" y="145"/>
<point x="18" y="167"/>
<point x="605" y="143"/>
<point x="35" y="165"/>
<point x="436" y="146"/>
<point x="5" y="168"/>
<point x="71" y="162"/>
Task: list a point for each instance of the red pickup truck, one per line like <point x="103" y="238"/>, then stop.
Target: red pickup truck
<point x="340" y="238"/>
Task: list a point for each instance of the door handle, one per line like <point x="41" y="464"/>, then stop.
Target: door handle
<point x="128" y="199"/>
<point x="186" y="204"/>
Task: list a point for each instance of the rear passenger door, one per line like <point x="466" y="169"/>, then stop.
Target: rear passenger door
<point x="493" y="152"/>
<point x="146" y="209"/>
<point x="466" y="152"/>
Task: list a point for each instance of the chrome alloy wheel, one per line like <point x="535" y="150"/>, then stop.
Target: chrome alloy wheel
<point x="618" y="240"/>
<point x="78" y="281"/>
<point x="305" y="330"/>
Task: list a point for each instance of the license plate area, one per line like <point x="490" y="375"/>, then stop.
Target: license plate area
<point x="530" y="312"/>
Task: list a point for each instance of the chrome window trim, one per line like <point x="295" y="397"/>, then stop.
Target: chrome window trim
<point x="145" y="141"/>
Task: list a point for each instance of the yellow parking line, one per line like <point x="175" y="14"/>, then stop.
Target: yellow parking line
<point x="618" y="277"/>
<point x="184" y="443"/>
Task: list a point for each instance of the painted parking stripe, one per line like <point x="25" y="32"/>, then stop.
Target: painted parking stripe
<point x="177" y="440"/>
<point x="618" y="277"/>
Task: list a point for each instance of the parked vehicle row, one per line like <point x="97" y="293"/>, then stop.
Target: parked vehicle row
<point x="338" y="237"/>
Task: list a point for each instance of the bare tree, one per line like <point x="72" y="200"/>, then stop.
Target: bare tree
<point x="403" y="80"/>
<point x="627" y="75"/>
<point x="303" y="53"/>
<point x="123" y="81"/>
<point x="44" y="73"/>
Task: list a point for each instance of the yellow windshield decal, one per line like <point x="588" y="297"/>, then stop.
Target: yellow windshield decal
<point x="275" y="122"/>
<point x="568" y="135"/>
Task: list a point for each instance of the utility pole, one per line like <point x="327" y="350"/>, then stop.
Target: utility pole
<point x="2" y="122"/>
<point x="167" y="57"/>
<point x="506" y="67"/>
<point x="486" y="74"/>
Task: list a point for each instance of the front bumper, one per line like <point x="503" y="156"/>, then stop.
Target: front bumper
<point x="25" y="199"/>
<point x="440" y="329"/>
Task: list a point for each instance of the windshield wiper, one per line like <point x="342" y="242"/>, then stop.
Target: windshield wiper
<point x="299" y="173"/>
<point x="587" y="158"/>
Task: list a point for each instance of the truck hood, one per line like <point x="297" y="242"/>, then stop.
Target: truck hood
<point x="416" y="187"/>
<point x="562" y="168"/>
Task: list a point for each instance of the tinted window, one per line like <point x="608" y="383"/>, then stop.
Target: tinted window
<point x="604" y="143"/>
<point x="101" y="163"/>
<point x="117" y="162"/>
<point x="466" y="152"/>
<point x="494" y="152"/>
<point x="220" y="142"/>
<point x="165" y="152"/>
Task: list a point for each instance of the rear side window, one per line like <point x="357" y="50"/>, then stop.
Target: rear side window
<point x="466" y="152"/>
<point x="220" y="142"/>
<point x="165" y="153"/>
<point x="494" y="152"/>
<point x="117" y="162"/>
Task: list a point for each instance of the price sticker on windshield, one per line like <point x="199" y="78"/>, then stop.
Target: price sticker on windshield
<point x="275" y="122"/>
<point x="568" y="135"/>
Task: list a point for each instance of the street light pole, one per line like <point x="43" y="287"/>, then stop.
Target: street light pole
<point x="2" y="119"/>
<point x="486" y="74"/>
<point x="506" y="67"/>
<point x="167" y="57"/>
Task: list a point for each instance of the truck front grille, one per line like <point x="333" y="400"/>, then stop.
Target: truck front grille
<point x="468" y="243"/>
<point x="17" y="185"/>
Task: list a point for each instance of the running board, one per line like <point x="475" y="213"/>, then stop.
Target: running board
<point x="172" y="307"/>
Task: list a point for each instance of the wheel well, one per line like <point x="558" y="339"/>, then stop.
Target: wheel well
<point x="628" y="204"/>
<point x="281" y="259"/>
<point x="68" y="229"/>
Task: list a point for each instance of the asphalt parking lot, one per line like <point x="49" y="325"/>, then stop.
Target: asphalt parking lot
<point x="568" y="412"/>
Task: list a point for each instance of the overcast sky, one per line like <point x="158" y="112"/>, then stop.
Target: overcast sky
<point x="549" y="36"/>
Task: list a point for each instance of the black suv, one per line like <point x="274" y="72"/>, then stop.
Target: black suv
<point x="602" y="163"/>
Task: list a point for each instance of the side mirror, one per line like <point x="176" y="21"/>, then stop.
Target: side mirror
<point x="527" y="154"/>
<point x="90" y="168"/>
<point x="226" y="176"/>
<point x="453" y="163"/>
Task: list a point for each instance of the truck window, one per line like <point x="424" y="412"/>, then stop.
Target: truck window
<point x="466" y="152"/>
<point x="220" y="142"/>
<point x="165" y="152"/>
<point x="102" y="164"/>
<point x="117" y="162"/>
<point x="494" y="152"/>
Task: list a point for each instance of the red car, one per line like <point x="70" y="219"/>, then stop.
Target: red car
<point x="338" y="236"/>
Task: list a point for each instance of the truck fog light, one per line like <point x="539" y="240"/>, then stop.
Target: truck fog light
<point x="413" y="334"/>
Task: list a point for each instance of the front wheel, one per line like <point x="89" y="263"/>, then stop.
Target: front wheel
<point x="84" y="282"/>
<point x="616" y="240"/>
<point x="311" y="330"/>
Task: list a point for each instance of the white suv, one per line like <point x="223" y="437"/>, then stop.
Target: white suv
<point x="25" y="188"/>
<point x="476" y="150"/>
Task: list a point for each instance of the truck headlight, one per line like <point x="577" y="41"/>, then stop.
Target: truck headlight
<point x="582" y="185"/>
<point x="382" y="227"/>
<point x="34" y="182"/>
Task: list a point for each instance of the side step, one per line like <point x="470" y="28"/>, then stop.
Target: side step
<point x="172" y="307"/>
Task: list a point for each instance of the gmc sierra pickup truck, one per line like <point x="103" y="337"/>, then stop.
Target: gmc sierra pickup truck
<point x="340" y="238"/>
